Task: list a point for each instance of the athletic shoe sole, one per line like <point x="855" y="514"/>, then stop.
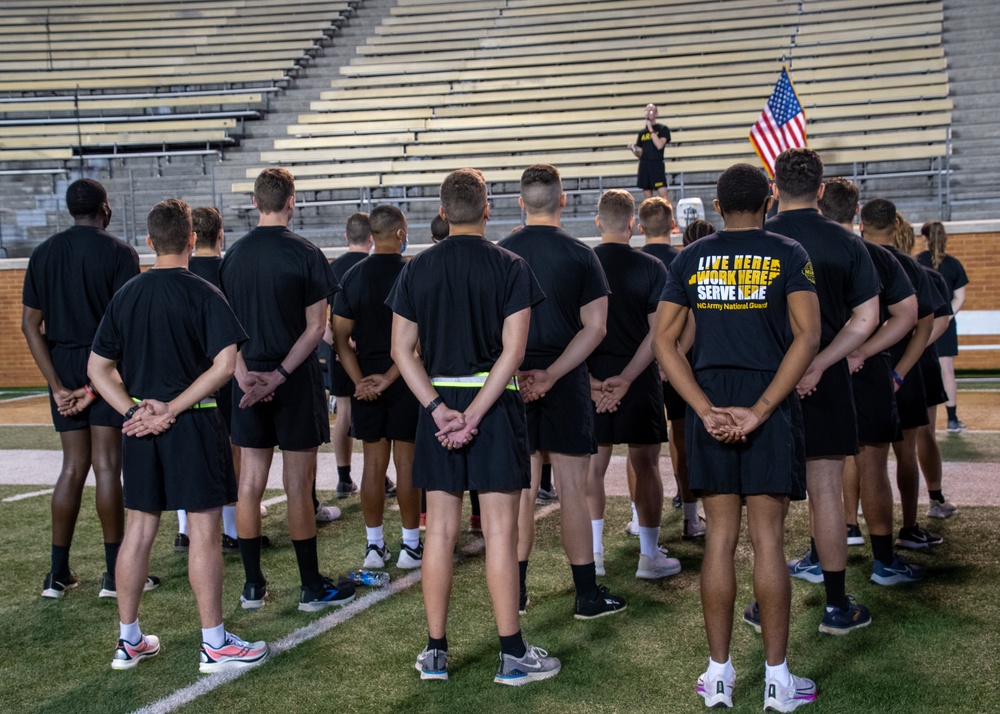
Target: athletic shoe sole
<point x="405" y="562"/>
<point x="440" y="676"/>
<point x="122" y="664"/>
<point x="658" y="574"/>
<point x="855" y="540"/>
<point x="55" y="594"/>
<point x="522" y="679"/>
<point x="229" y="666"/>
<point x="893" y="579"/>
<point x="828" y="630"/>
<point x="754" y="625"/>
<point x="317" y="606"/>
<point x="806" y="575"/>
<point x="916" y="545"/>
<point x="151" y="584"/>
<point x="578" y="616"/>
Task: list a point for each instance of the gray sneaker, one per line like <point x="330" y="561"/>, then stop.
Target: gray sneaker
<point x="535" y="665"/>
<point x="432" y="664"/>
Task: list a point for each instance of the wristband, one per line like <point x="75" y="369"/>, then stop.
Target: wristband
<point x="282" y="371"/>
<point x="132" y="410"/>
<point x="90" y="390"/>
<point x="897" y="378"/>
<point x="433" y="405"/>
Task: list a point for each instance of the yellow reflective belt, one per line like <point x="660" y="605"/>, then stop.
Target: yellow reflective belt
<point x="206" y="403"/>
<point x="474" y="381"/>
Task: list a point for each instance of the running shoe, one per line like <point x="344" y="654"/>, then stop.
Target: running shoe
<point x="326" y="514"/>
<point x="410" y="558"/>
<point x="917" y="538"/>
<point x="805" y="568"/>
<point x="677" y="502"/>
<point x="263" y="511"/>
<point x="632" y="528"/>
<point x="751" y="616"/>
<point x="854" y="536"/>
<point x="956" y="426"/>
<point x="599" y="564"/>
<point x="475" y="524"/>
<point x="235" y="653"/>
<point x="693" y="530"/>
<point x="328" y="594"/>
<point x="231" y="545"/>
<point x="545" y="496"/>
<point x="603" y="603"/>
<point x="346" y="488"/>
<point x="657" y="567"/>
<point x="941" y="509"/>
<point x="432" y="664"/>
<point x="128" y="655"/>
<point x="390" y="488"/>
<point x="110" y="589"/>
<point x="840" y="622"/>
<point x="253" y="596"/>
<point x="535" y="665"/>
<point x="181" y="543"/>
<point x="523" y="601"/>
<point x="778" y="698"/>
<point x="899" y="571"/>
<point x="718" y="691"/>
<point x="376" y="557"/>
<point x="55" y="589"/>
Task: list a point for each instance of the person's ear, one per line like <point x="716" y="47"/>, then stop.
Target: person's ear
<point x="597" y="221"/>
<point x="192" y="240"/>
<point x="718" y="208"/>
<point x="149" y="242"/>
<point x="562" y="201"/>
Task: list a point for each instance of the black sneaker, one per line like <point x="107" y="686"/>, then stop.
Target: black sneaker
<point x="253" y="596"/>
<point x="677" y="503"/>
<point x="522" y="604"/>
<point x="329" y="593"/>
<point x="232" y="545"/>
<point x="181" y="543"/>
<point x="546" y="496"/>
<point x="917" y="538"/>
<point x="390" y="488"/>
<point x="751" y="616"/>
<point x="55" y="589"/>
<point x="854" y="535"/>
<point x="603" y="604"/>
<point x="840" y="622"/>
<point x="346" y="488"/>
<point x="110" y="589"/>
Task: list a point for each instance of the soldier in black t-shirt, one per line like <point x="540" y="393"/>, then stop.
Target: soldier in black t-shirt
<point x="69" y="281"/>
<point x="383" y="410"/>
<point x="467" y="304"/>
<point x="565" y="329"/>
<point x="758" y="319"/>
<point x="176" y="340"/>
<point x="848" y="289"/>
<point x="279" y="285"/>
<point x="648" y="148"/>
<point x="626" y="388"/>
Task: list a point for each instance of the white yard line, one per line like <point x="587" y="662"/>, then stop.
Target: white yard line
<point x="29" y="494"/>
<point x="292" y="640"/>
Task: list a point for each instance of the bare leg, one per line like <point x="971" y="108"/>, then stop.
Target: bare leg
<point x="630" y="476"/>
<point x="340" y="436"/>
<point x="907" y="475"/>
<point x="407" y="496"/>
<point x="373" y="481"/>
<point x="824" y="483"/>
<point x="595" y="481"/>
<point x="876" y="491"/>
<point x="526" y="513"/>
<point x="133" y="562"/>
<point x="928" y="452"/>
<point x="648" y="484"/>
<point x="444" y="517"/>
<point x="106" y="456"/>
<point x="948" y="377"/>
<point x="852" y="491"/>
<point x="570" y="474"/>
<point x="718" y="572"/>
<point x="299" y="473"/>
<point x="647" y="193"/>
<point x="255" y="466"/>
<point x="205" y="565"/>
<point x="500" y="510"/>
<point x="69" y="487"/>
<point x="678" y="457"/>
<point x="771" y="583"/>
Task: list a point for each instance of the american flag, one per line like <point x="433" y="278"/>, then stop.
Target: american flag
<point x="782" y="124"/>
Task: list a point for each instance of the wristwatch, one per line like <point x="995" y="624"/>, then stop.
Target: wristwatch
<point x="132" y="410"/>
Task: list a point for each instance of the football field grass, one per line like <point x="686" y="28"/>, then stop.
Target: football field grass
<point x="931" y="648"/>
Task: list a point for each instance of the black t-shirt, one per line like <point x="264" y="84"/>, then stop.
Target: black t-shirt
<point x="928" y="299"/>
<point x="845" y="276"/>
<point x="271" y="276"/>
<point x="644" y="140"/>
<point x="636" y="281"/>
<point x="341" y="264"/>
<point x="941" y="287"/>
<point x="206" y="267"/>
<point x="950" y="268"/>
<point x="736" y="283"/>
<point x="896" y="287"/>
<point x="165" y="327"/>
<point x="569" y="275"/>
<point x="665" y="253"/>
<point x="459" y="292"/>
<point x="71" y="278"/>
<point x="363" y="292"/>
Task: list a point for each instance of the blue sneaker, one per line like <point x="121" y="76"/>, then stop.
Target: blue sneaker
<point x="432" y="664"/>
<point x="805" y="568"/>
<point x="840" y="622"/>
<point x="329" y="593"/>
<point x="899" y="571"/>
<point x="751" y="616"/>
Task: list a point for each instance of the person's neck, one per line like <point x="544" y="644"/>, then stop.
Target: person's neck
<point x="387" y="248"/>
<point x="657" y="240"/>
<point x="207" y="253"/>
<point x="848" y="226"/>
<point x="274" y="220"/>
<point x="617" y="238"/>
<point x="743" y="221"/>
<point x="89" y="222"/>
<point x="787" y="204"/>
<point x="468" y="229"/>
<point x="173" y="260"/>
<point x="552" y="220"/>
<point x="883" y="239"/>
<point x="359" y="248"/>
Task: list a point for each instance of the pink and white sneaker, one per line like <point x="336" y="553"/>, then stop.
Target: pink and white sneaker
<point x="234" y="654"/>
<point x="128" y="655"/>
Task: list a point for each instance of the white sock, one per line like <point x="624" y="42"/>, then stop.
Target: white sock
<point x="229" y="521"/>
<point x="130" y="633"/>
<point x="635" y="514"/>
<point x="375" y="536"/>
<point x="779" y="673"/>
<point x="649" y="541"/>
<point x="411" y="537"/>
<point x="691" y="512"/>
<point x="597" y="527"/>
<point x="214" y="636"/>
<point x="182" y="522"/>
<point x="719" y="670"/>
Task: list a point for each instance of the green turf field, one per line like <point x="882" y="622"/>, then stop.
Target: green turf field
<point x="931" y="648"/>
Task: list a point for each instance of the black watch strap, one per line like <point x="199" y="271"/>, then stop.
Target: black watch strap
<point x="132" y="410"/>
<point x="282" y="371"/>
<point x="433" y="405"/>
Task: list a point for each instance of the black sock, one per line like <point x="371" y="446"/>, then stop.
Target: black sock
<point x="813" y="553"/>
<point x="833" y="582"/>
<point x="546" y="477"/>
<point x="433" y="643"/>
<point x="522" y="566"/>
<point x="952" y="412"/>
<point x="60" y="562"/>
<point x="513" y="645"/>
<point x="250" y="553"/>
<point x="305" y="555"/>
<point x="882" y="548"/>
<point x="936" y="495"/>
<point x="344" y="473"/>
<point x="585" y="579"/>
<point x="474" y="502"/>
<point x="111" y="557"/>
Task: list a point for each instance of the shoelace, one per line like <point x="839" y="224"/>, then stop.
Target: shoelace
<point x="537" y="652"/>
<point x="235" y="641"/>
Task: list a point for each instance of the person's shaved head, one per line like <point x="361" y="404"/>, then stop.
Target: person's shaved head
<point x="541" y="190"/>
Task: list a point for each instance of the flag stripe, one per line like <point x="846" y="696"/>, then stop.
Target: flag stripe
<point x="781" y="125"/>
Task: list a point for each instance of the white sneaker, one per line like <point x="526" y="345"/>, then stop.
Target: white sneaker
<point x="632" y="528"/>
<point x="786" y="699"/>
<point x="534" y="666"/>
<point x="693" y="530"/>
<point x="657" y="567"/>
<point x="717" y="692"/>
<point x="599" y="564"/>
<point x="325" y="514"/>
<point x="941" y="510"/>
<point x="263" y="511"/>
<point x="375" y="557"/>
<point x="410" y="558"/>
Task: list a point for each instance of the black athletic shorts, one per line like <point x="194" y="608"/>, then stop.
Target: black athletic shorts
<point x="930" y="368"/>
<point x="874" y="401"/>
<point x="674" y="402"/>
<point x="225" y="403"/>
<point x="771" y="461"/>
<point x="563" y="420"/>
<point x="189" y="467"/>
<point x="652" y="175"/>
<point x="296" y="418"/>
<point x="911" y="402"/>
<point x="829" y="415"/>
<point x="392" y="416"/>
<point x="70" y="364"/>
<point x="497" y="459"/>
<point x="639" y="418"/>
<point x="340" y="384"/>
<point x="947" y="343"/>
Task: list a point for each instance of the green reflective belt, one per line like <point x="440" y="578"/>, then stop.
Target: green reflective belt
<point x="475" y="381"/>
<point x="206" y="403"/>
